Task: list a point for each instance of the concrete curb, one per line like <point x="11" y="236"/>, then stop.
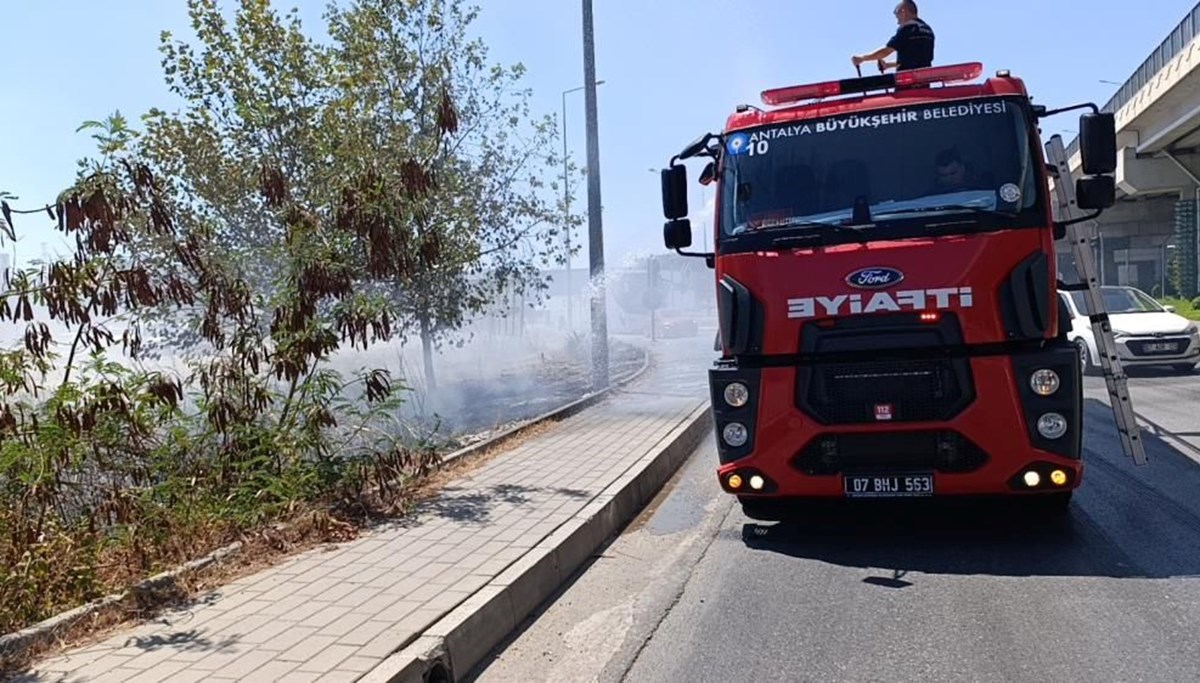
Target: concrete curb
<point x="18" y="644"/>
<point x="460" y="640"/>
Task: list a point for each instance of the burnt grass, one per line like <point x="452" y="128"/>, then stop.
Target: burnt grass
<point x="470" y="410"/>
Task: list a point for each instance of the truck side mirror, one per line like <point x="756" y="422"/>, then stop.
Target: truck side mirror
<point x="709" y="174"/>
<point x="674" y="192"/>
<point x="1098" y="143"/>
<point x="677" y="234"/>
<point x="1096" y="193"/>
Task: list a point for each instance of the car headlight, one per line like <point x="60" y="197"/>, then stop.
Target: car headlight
<point x="1192" y="330"/>
<point x="1044" y="382"/>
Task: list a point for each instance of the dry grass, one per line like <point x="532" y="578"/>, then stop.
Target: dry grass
<point x="260" y="550"/>
<point x="304" y="530"/>
<point x="264" y="549"/>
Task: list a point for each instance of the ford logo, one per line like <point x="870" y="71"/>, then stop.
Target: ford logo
<point x="874" y="278"/>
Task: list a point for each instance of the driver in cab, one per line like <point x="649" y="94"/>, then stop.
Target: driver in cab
<point x="951" y="172"/>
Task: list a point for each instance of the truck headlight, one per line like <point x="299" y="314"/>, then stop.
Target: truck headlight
<point x="1044" y="382"/>
<point x="1052" y="425"/>
<point x="735" y="434"/>
<point x="737" y="395"/>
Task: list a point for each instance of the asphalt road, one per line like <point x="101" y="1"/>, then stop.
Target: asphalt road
<point x="694" y="591"/>
<point x="1167" y="403"/>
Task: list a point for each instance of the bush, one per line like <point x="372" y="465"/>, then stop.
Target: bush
<point x="110" y="473"/>
<point x="1185" y="308"/>
<point x="302" y="203"/>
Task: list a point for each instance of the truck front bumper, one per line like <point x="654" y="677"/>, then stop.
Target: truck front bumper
<point x="1007" y="440"/>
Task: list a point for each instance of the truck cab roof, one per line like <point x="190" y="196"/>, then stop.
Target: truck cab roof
<point x="819" y="100"/>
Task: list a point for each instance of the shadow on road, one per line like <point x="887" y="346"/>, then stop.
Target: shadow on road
<point x="1125" y="522"/>
<point x="943" y="538"/>
<point x="1157" y="372"/>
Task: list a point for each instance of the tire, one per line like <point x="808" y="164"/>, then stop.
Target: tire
<point x="1086" y="366"/>
<point x="1064" y="320"/>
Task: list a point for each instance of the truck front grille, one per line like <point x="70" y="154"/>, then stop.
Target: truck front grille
<point x="901" y="392"/>
<point x="941" y="451"/>
<point x="881" y="391"/>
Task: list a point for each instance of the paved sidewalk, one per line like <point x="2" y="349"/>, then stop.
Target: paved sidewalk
<point x="334" y="615"/>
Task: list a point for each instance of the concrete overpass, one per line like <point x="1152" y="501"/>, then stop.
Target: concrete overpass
<point x="1154" y="224"/>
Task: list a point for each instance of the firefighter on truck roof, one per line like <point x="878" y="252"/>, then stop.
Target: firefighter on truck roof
<point x="913" y="43"/>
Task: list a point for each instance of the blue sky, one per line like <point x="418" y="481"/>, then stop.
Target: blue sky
<point x="673" y="70"/>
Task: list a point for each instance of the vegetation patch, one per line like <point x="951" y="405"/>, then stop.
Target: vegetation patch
<point x="172" y="389"/>
<point x="1185" y="308"/>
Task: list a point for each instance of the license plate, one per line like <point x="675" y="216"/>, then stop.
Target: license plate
<point x="1161" y="347"/>
<point x="889" y="486"/>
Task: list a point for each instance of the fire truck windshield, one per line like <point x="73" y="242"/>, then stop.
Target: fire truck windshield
<point x="969" y="159"/>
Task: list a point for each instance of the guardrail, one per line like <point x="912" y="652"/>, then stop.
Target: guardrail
<point x="1176" y="40"/>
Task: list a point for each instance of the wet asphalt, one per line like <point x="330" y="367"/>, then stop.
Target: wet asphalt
<point x="694" y="591"/>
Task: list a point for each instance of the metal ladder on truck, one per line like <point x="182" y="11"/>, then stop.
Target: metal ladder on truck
<point x="1081" y="246"/>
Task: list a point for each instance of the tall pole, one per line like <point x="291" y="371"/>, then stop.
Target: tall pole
<point x="595" y="228"/>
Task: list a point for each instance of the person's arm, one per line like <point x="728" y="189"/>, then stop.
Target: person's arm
<point x="881" y="53"/>
<point x="884" y="52"/>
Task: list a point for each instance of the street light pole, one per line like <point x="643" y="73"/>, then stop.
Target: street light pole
<point x="595" y="227"/>
<point x="567" y="203"/>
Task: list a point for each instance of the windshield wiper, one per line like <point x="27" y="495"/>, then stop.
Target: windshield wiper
<point x="807" y="229"/>
<point x="947" y="207"/>
<point x="812" y="229"/>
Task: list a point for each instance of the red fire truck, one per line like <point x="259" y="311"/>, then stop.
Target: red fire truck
<point x="884" y="257"/>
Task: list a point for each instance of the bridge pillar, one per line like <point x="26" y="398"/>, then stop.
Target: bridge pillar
<point x="1183" y="258"/>
<point x="1149" y="239"/>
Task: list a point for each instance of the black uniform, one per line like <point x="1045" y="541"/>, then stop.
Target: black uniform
<point x="913" y="44"/>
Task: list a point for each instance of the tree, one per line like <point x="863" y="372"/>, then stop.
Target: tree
<point x="110" y="472"/>
<point x="277" y="212"/>
<point x="255" y="95"/>
<point x="421" y="165"/>
<point x="418" y="84"/>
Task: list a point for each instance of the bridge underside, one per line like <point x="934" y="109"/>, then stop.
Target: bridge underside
<point x="1149" y="239"/>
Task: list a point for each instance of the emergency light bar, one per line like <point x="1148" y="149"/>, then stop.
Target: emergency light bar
<point x="913" y="77"/>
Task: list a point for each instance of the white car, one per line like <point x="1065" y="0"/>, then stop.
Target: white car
<point x="1146" y="332"/>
